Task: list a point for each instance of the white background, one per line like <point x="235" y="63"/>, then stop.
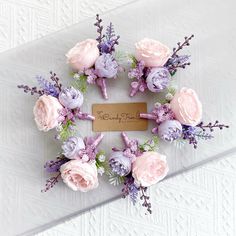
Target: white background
<point x="201" y="202"/>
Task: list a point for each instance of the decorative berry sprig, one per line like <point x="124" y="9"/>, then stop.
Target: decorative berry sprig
<point x="30" y="90"/>
<point x="211" y="126"/>
<point x="145" y="199"/>
<point x="55" y="79"/>
<point x="51" y="182"/>
<point x="99" y="29"/>
<point x="181" y="45"/>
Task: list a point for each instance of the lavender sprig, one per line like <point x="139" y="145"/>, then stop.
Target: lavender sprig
<point x="108" y="45"/>
<point x="130" y="189"/>
<point x="55" y="79"/>
<point x="54" y="165"/>
<point x="203" y="135"/>
<point x="30" y="90"/>
<point x="177" y="62"/>
<point x="189" y="133"/>
<point x="211" y="126"/>
<point x="47" y="87"/>
<point x="50" y="183"/>
<point x="99" y="29"/>
<point x="145" y="199"/>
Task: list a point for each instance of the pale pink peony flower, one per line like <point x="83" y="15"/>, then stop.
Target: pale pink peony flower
<point x="83" y="55"/>
<point x="152" y="52"/>
<point x="187" y="107"/>
<point x="149" y="168"/>
<point x="47" y="112"/>
<point x="79" y="175"/>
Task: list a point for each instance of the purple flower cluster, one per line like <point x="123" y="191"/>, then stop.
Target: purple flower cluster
<point x="47" y="86"/>
<point x="108" y="41"/>
<point x="54" y="165"/>
<point x="130" y="189"/>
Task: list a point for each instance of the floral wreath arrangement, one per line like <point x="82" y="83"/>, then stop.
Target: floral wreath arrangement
<point x="137" y="166"/>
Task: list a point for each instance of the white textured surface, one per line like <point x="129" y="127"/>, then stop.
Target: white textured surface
<point x="197" y="203"/>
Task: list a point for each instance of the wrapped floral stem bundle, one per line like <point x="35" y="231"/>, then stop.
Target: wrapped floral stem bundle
<point x="153" y="65"/>
<point x="56" y="107"/>
<point x="78" y="164"/>
<point x="181" y="118"/>
<point x="137" y="167"/>
<point x="93" y="60"/>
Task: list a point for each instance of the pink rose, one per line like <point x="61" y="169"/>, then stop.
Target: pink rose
<point x="46" y="112"/>
<point x="187" y="107"/>
<point x="149" y="168"/>
<point x="79" y="175"/>
<point x="83" y="55"/>
<point x="152" y="52"/>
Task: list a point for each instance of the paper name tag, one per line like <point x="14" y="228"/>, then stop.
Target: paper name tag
<point x="119" y="117"/>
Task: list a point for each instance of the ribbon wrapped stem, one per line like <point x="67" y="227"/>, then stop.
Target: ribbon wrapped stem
<point x="97" y="140"/>
<point x="148" y="116"/>
<point x="125" y="139"/>
<point x="102" y="85"/>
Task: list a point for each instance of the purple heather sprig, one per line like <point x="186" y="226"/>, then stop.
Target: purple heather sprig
<point x="47" y="87"/>
<point x="107" y="42"/>
<point x="130" y="189"/>
<point x="188" y="133"/>
<point x="54" y="165"/>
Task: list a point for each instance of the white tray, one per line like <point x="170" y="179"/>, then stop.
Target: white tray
<point x="24" y="150"/>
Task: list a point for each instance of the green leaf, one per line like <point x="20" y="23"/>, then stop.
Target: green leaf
<point x="133" y="61"/>
<point x="66" y="131"/>
<point x="150" y="145"/>
<point x="116" y="179"/>
<point x="171" y="90"/>
<point x="80" y="83"/>
<point x="180" y="143"/>
<point x="121" y="57"/>
<point x="103" y="164"/>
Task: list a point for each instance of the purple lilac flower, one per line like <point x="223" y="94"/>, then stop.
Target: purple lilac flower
<point x="91" y="75"/>
<point x="170" y="130"/>
<point x="106" y="66"/>
<point x="137" y="72"/>
<point x="72" y="146"/>
<point x="47" y="87"/>
<point x="71" y="98"/>
<point x="120" y="164"/>
<point x="158" y="79"/>
<point x="163" y="112"/>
